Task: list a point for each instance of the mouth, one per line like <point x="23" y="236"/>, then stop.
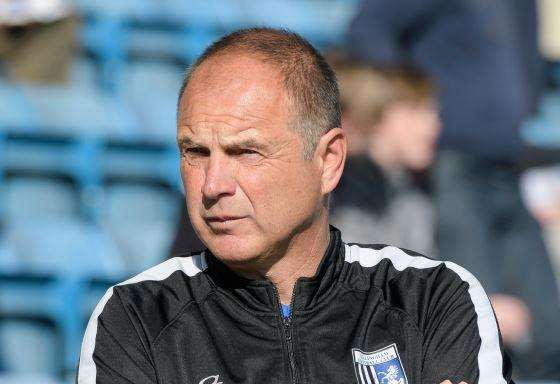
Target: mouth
<point x="222" y="219"/>
<point x="222" y="224"/>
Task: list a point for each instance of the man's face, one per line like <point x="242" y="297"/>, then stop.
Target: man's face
<point x="248" y="187"/>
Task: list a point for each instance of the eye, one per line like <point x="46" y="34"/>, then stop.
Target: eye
<point x="246" y="155"/>
<point x="244" y="152"/>
<point x="248" y="152"/>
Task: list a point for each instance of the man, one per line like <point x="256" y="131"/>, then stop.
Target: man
<point x="277" y="297"/>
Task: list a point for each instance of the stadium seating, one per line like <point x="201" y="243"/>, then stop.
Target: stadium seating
<point x="64" y="245"/>
<point x="77" y="111"/>
<point x="141" y="221"/>
<point x="550" y="106"/>
<point x="150" y="90"/>
<point x="542" y="130"/>
<point x="9" y="262"/>
<point x="15" y="112"/>
<point x="28" y="347"/>
<point x="30" y="379"/>
<point x="25" y="197"/>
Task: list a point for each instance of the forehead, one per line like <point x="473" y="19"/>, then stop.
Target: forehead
<point x="238" y="91"/>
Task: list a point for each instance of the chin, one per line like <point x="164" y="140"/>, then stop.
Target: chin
<point x="233" y="249"/>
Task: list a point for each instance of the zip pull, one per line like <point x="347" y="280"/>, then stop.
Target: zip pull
<point x="287" y="330"/>
<point x="287" y="321"/>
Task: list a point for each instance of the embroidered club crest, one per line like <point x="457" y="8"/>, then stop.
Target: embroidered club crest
<point x="379" y="367"/>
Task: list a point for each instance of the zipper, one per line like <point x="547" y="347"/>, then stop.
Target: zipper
<point x="288" y="335"/>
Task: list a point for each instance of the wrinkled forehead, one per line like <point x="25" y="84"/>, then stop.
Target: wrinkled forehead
<point x="225" y="128"/>
<point x="239" y="92"/>
<point x="233" y="73"/>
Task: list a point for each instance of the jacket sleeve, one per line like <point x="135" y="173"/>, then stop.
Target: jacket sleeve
<point x="461" y="337"/>
<point x="115" y="349"/>
<point x="380" y="27"/>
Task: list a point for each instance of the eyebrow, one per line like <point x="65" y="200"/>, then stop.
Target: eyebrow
<point x="243" y="143"/>
<point x="185" y="140"/>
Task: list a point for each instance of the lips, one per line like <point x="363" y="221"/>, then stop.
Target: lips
<point x="222" y="219"/>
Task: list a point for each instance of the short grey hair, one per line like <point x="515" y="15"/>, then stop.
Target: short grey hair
<point x="308" y="79"/>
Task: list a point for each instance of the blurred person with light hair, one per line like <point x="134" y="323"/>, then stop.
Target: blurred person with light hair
<point x="391" y="118"/>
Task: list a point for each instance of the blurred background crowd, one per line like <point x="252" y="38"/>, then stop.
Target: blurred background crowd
<point x="452" y="109"/>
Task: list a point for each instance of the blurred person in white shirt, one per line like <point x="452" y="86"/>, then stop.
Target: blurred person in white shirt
<point x="37" y="39"/>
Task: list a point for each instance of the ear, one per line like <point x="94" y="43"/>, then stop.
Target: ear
<point x="331" y="155"/>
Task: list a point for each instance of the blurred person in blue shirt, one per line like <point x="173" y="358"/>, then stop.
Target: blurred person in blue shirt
<point x="483" y="56"/>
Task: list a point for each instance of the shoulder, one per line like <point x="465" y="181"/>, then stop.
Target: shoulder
<point x="132" y="313"/>
<point x="187" y="265"/>
<point x="413" y="282"/>
<point x="158" y="293"/>
<point x="170" y="274"/>
<point x="396" y="261"/>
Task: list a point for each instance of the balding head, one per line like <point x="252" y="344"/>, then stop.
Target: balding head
<point x="308" y="80"/>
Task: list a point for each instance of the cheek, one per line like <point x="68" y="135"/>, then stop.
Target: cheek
<point x="421" y="151"/>
<point x="260" y="188"/>
<point x="192" y="178"/>
<point x="427" y="134"/>
<point x="282" y="195"/>
<point x="416" y="145"/>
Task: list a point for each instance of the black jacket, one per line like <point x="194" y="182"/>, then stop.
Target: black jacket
<point x="369" y="311"/>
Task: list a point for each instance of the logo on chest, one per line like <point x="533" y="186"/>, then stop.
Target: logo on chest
<point x="379" y="367"/>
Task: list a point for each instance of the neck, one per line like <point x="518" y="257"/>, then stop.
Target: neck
<point x="300" y="258"/>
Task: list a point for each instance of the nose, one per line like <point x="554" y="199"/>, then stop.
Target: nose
<point x="219" y="180"/>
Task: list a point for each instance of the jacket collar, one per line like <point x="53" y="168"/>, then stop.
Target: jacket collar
<point x="261" y="295"/>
